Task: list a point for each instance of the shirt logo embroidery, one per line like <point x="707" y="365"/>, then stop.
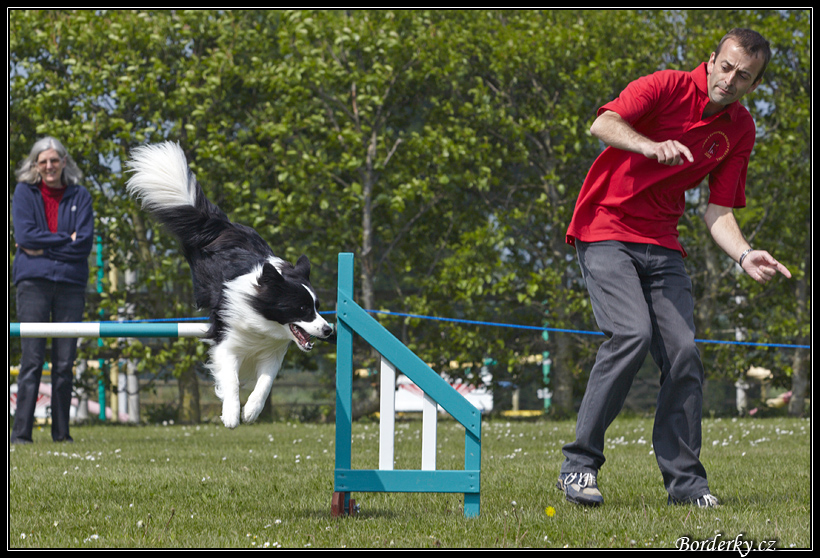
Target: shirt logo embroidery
<point x="716" y="146"/>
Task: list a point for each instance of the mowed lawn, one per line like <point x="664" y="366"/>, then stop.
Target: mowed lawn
<point x="270" y="485"/>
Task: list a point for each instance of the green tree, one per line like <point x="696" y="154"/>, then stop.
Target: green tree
<point x="444" y="148"/>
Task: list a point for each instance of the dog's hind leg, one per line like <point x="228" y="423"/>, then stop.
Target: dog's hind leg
<point x="266" y="371"/>
<point x="225" y="370"/>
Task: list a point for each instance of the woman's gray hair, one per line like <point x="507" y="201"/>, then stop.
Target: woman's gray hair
<point x="29" y="172"/>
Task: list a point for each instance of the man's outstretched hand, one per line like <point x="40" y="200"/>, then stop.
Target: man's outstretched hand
<point x="762" y="267"/>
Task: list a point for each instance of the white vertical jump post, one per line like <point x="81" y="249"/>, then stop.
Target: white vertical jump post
<point x="396" y="356"/>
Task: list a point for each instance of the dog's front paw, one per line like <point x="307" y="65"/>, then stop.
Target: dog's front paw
<point x="252" y="410"/>
<point x="230" y="414"/>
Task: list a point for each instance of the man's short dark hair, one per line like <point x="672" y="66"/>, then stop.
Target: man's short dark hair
<point x="752" y="44"/>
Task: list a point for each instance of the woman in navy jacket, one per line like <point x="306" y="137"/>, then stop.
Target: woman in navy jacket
<point x="54" y="232"/>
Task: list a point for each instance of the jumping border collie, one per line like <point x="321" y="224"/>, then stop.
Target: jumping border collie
<point x="258" y="302"/>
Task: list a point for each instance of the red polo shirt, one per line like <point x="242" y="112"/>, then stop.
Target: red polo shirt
<point x="632" y="198"/>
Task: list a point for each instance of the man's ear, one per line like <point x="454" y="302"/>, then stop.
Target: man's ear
<point x="710" y="65"/>
<point x="754" y="85"/>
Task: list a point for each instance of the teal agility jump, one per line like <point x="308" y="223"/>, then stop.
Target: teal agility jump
<point x="351" y="318"/>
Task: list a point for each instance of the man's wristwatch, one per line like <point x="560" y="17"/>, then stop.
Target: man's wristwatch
<point x="742" y="256"/>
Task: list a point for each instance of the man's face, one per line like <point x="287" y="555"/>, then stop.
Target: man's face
<point x="732" y="73"/>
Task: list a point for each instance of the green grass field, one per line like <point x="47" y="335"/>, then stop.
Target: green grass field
<point x="270" y="486"/>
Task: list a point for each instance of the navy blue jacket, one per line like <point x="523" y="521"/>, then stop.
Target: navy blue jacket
<point x="62" y="259"/>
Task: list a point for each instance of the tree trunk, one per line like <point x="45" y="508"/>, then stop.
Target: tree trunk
<point x="563" y="401"/>
<point x="368" y="259"/>
<point x="800" y="373"/>
<point x="189" y="411"/>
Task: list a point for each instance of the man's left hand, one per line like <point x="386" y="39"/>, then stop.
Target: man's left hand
<point x="762" y="267"/>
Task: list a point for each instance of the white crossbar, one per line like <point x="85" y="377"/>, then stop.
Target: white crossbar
<point x="107" y="329"/>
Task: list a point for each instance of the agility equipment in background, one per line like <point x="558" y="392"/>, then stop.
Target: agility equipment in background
<point x="107" y="329"/>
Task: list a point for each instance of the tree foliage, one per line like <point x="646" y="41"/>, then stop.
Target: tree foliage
<point x="444" y="148"/>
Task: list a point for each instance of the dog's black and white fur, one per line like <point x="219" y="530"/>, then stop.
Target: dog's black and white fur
<point x="258" y="302"/>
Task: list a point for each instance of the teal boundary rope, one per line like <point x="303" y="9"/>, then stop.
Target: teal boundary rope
<point x="514" y="326"/>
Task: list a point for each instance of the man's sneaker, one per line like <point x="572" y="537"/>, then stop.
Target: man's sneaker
<point x="705" y="501"/>
<point x="580" y="488"/>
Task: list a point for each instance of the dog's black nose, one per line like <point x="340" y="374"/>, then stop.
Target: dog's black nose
<point x="326" y="331"/>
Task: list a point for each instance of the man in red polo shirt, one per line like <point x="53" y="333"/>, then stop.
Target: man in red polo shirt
<point x="665" y="133"/>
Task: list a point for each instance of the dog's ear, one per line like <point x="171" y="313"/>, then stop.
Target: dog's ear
<point x="303" y="267"/>
<point x="270" y="276"/>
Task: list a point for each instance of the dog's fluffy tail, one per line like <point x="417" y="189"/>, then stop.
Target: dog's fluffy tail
<point x="168" y="189"/>
<point x="161" y="178"/>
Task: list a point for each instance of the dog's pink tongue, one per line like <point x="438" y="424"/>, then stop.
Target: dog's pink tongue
<point x="300" y="335"/>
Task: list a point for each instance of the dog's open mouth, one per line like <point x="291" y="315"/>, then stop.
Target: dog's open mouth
<point x="304" y="340"/>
